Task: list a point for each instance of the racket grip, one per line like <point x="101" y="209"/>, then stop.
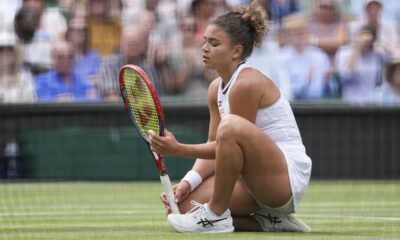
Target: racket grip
<point x="166" y="182"/>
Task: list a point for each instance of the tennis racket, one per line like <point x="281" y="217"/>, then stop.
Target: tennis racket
<point x="145" y="110"/>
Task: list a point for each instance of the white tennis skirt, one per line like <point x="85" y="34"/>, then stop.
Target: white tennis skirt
<point x="299" y="169"/>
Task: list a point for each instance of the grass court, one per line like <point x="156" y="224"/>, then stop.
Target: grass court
<point x="132" y="210"/>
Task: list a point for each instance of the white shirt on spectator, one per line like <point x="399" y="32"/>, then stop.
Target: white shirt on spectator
<point x="307" y="71"/>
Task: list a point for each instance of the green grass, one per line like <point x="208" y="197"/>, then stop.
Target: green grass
<point x="131" y="210"/>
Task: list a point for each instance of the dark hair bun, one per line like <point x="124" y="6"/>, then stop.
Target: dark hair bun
<point x="253" y="16"/>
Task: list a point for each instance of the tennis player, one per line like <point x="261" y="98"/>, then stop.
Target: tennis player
<point x="260" y="169"/>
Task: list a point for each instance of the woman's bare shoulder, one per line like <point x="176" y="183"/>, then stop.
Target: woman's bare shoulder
<point x="252" y="79"/>
<point x="252" y="82"/>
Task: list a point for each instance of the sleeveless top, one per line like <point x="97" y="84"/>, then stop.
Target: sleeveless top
<point x="276" y="120"/>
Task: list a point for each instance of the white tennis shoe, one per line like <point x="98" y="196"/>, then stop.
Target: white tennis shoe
<point x="201" y="220"/>
<point x="272" y="223"/>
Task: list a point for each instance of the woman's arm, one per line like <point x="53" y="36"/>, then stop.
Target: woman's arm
<point x="332" y="44"/>
<point x="205" y="167"/>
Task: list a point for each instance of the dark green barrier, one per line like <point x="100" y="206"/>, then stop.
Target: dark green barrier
<point x="98" y="141"/>
<point x="95" y="154"/>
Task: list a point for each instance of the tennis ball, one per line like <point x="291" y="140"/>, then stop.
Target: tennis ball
<point x="151" y="132"/>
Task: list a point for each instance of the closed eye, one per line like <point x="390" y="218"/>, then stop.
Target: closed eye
<point x="212" y="41"/>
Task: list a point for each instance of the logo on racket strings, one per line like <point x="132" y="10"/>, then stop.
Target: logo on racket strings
<point x="141" y="107"/>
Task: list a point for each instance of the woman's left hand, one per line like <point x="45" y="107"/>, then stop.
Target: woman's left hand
<point x="166" y="145"/>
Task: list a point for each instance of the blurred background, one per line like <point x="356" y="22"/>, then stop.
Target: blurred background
<point x="61" y="114"/>
<point x="73" y="167"/>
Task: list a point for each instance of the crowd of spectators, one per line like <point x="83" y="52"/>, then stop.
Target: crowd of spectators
<point x="71" y="50"/>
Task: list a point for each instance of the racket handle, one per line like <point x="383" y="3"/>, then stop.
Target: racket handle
<point x="166" y="182"/>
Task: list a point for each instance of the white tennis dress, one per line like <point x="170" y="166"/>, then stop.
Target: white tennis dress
<point x="278" y="122"/>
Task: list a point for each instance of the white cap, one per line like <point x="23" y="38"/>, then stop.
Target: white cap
<point x="7" y="39"/>
<point x="367" y="2"/>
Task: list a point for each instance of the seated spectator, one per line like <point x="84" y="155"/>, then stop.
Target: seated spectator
<point x="327" y="30"/>
<point x="51" y="27"/>
<point x="134" y="41"/>
<point x="16" y="83"/>
<point x="203" y="11"/>
<point x="87" y="60"/>
<point x="307" y="66"/>
<point x="105" y="31"/>
<point x="359" y="66"/>
<point x="387" y="32"/>
<point x="389" y="93"/>
<point x="62" y="84"/>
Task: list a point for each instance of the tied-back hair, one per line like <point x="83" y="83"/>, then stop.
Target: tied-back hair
<point x="245" y="26"/>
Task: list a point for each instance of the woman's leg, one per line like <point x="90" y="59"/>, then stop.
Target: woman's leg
<point x="243" y="149"/>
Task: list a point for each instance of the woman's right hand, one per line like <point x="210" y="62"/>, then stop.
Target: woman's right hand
<point x="181" y="192"/>
<point x="166" y="145"/>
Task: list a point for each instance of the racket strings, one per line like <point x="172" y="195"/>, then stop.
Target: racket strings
<point x="142" y="106"/>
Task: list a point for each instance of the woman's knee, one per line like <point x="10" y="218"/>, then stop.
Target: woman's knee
<point x="229" y="127"/>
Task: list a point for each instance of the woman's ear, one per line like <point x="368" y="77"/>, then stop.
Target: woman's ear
<point x="237" y="52"/>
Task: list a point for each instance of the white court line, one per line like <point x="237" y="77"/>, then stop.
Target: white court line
<point x="75" y="206"/>
<point x="83" y="225"/>
<point x="79" y="213"/>
<point x="135" y="212"/>
<point x="393" y="202"/>
<point x="370" y="218"/>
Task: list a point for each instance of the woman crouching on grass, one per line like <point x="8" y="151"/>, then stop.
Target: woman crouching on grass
<point x="260" y="169"/>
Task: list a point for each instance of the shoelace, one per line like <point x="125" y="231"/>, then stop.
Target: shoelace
<point x="196" y="206"/>
<point x="194" y="211"/>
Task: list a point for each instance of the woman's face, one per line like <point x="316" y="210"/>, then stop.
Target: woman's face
<point x="373" y="10"/>
<point x="98" y="7"/>
<point x="326" y="11"/>
<point x="298" y="37"/>
<point x="78" y="33"/>
<point x="7" y="57"/>
<point x="217" y="48"/>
